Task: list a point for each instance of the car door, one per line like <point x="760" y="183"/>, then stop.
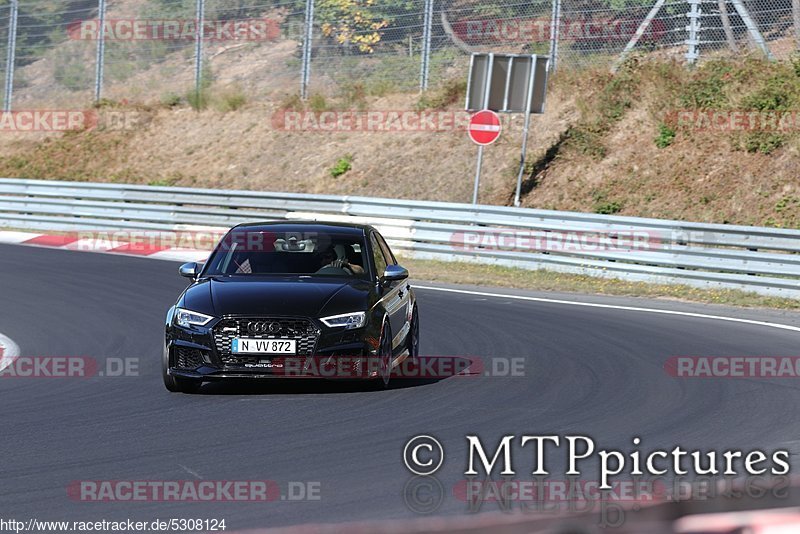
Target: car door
<point x="399" y="291"/>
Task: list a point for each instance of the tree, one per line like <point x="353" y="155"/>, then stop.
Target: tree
<point x="352" y="22"/>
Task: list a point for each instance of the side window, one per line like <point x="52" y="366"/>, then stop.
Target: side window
<point x="377" y="256"/>
<point x="387" y="251"/>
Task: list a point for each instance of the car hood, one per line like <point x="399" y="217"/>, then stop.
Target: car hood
<point x="262" y="296"/>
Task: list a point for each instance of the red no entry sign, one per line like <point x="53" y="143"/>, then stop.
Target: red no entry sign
<point x="484" y="127"/>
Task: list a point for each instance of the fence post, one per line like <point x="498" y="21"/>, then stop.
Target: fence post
<point x="796" y="19"/>
<point x="693" y="37"/>
<point x="726" y="26"/>
<point x="101" y="50"/>
<point x="752" y="29"/>
<point x="308" y="36"/>
<point x="11" y="54"/>
<point x="425" y="64"/>
<point x="639" y="33"/>
<point x="555" y="32"/>
<point x="198" y="49"/>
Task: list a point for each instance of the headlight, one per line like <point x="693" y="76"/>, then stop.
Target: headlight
<point x="187" y="318"/>
<point x="347" y="320"/>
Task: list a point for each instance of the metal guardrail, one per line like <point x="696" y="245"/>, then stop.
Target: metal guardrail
<point x="762" y="260"/>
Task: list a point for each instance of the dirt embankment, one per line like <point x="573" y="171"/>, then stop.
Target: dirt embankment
<point x="632" y="144"/>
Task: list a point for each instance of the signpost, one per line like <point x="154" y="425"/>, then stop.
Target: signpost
<point x="484" y="129"/>
<point x="506" y="83"/>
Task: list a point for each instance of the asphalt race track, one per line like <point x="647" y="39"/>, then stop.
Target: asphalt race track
<point x="591" y="371"/>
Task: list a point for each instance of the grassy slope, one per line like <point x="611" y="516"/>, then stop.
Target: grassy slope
<point x="627" y="154"/>
<point x="605" y="144"/>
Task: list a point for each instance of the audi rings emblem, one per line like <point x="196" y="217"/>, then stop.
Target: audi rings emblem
<point x="263" y="327"/>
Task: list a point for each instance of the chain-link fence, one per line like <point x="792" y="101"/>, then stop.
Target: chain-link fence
<point x="55" y="52"/>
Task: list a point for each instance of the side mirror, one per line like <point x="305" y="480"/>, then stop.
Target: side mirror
<point x="393" y="273"/>
<point x="189" y="270"/>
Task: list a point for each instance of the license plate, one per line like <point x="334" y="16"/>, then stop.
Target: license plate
<point x="241" y="345"/>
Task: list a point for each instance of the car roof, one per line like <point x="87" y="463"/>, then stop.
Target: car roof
<point x="305" y="226"/>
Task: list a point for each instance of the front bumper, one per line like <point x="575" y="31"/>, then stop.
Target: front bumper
<point x="204" y="352"/>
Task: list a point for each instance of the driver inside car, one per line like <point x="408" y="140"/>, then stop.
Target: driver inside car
<point x="331" y="258"/>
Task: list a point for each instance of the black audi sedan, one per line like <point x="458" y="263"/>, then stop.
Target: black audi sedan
<point x="292" y="299"/>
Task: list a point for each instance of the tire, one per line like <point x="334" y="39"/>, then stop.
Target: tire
<point x="413" y="336"/>
<point x="177" y="384"/>
<point x="385" y="354"/>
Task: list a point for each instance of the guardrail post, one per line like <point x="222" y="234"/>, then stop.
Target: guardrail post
<point x="101" y="50"/>
<point x="425" y="64"/>
<point x="198" y="50"/>
<point x="11" y="54"/>
<point x="308" y="36"/>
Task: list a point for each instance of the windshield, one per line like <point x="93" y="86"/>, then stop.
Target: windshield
<point x="317" y="253"/>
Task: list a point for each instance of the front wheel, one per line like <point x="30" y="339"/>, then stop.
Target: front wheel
<point x="177" y="384"/>
<point x="413" y="336"/>
<point x="385" y="354"/>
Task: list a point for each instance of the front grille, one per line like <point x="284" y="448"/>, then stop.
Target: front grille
<point x="300" y="329"/>
<point x="186" y="358"/>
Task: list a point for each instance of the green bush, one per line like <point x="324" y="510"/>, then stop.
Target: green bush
<point x="168" y="181"/>
<point x="292" y="102"/>
<point x="171" y="99"/>
<point x="343" y="165"/>
<point x="587" y="141"/>
<point x="763" y="142"/>
<point x="608" y="208"/>
<point x="105" y="103"/>
<point x="317" y="103"/>
<point x="666" y="136"/>
<point x="617" y="96"/>
<point x="230" y="100"/>
<point x="198" y="99"/>
<point x="707" y="87"/>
